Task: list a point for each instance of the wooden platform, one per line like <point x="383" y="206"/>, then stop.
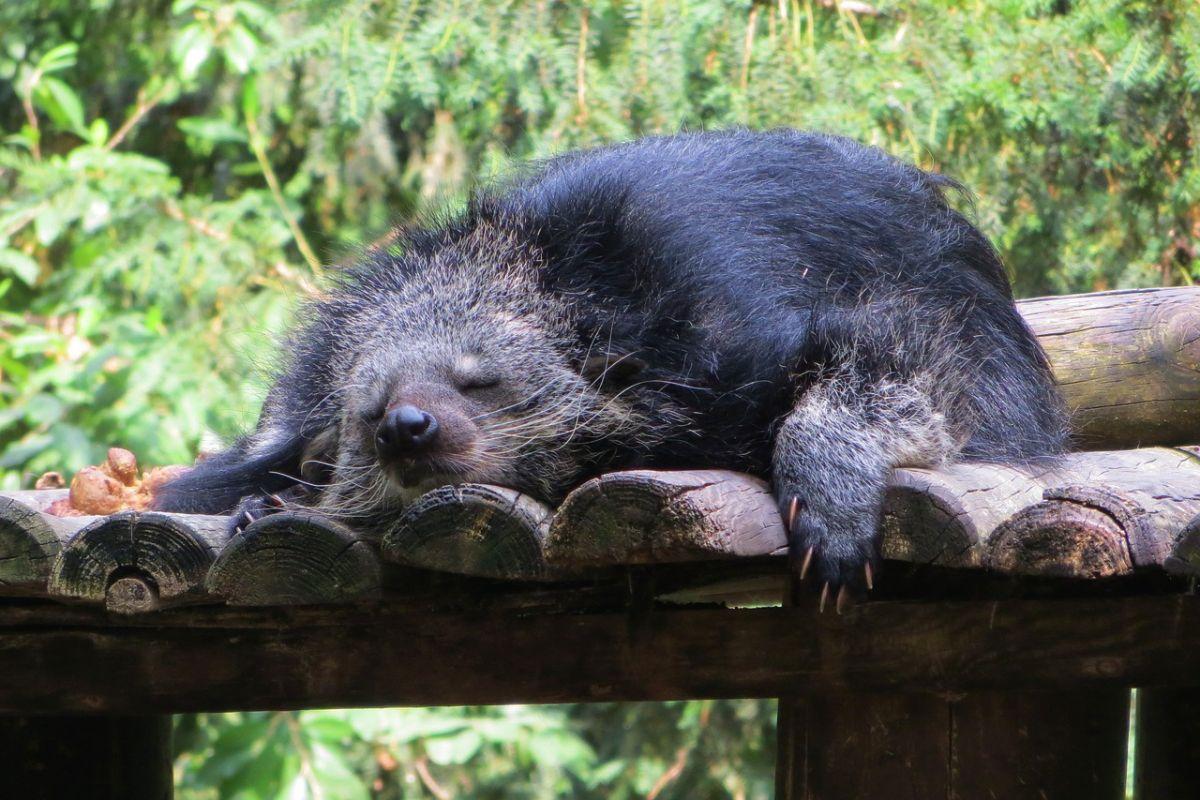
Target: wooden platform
<point x="1016" y="608"/>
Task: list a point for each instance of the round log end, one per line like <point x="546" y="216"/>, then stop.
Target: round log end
<point x="473" y="529"/>
<point x="1185" y="555"/>
<point x="650" y="516"/>
<point x="29" y="543"/>
<point x="171" y="553"/>
<point x="132" y="594"/>
<point x="1057" y="538"/>
<point x="925" y="523"/>
<point x="295" y="558"/>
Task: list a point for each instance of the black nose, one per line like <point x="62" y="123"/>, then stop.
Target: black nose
<point x="405" y="430"/>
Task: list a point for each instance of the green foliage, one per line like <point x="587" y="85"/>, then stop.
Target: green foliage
<point x="173" y="177"/>
<point x="672" y="750"/>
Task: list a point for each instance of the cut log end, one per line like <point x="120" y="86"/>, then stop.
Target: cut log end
<point x="138" y="561"/>
<point x="648" y="516"/>
<point x="473" y="529"/>
<point x="295" y="558"/>
<point x="30" y="540"/>
<point x="132" y="594"/>
<point x="1057" y="538"/>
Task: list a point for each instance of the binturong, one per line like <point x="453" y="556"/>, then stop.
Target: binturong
<point x="792" y="305"/>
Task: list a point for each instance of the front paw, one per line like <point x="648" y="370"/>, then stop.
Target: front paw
<point x="256" y="506"/>
<point x="840" y="548"/>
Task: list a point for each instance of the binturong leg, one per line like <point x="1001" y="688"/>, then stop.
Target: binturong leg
<point x="833" y="455"/>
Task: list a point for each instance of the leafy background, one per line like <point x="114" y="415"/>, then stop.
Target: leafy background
<point x="174" y="176"/>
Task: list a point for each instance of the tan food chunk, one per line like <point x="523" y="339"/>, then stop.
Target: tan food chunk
<point x="95" y="492"/>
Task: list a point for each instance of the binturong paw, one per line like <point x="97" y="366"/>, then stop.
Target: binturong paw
<point x="839" y="549"/>
<point x="256" y="506"/>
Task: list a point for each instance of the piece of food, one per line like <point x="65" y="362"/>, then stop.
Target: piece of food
<point x="110" y="487"/>
<point x="51" y="480"/>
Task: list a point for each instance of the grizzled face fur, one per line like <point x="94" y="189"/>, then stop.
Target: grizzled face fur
<point x="455" y="369"/>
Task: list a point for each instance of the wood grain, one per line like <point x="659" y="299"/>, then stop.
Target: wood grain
<point x="294" y="558"/>
<point x="64" y="659"/>
<point x="138" y="561"/>
<point x="1127" y="362"/>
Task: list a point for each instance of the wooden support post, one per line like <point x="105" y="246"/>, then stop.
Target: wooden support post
<point x="98" y="757"/>
<point x="1015" y="745"/>
<point x="1168" y="743"/>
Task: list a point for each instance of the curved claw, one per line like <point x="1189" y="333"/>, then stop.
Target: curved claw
<point x="248" y="517"/>
<point x="808" y="557"/>
<point x="792" y="509"/>
<point x="870" y="575"/>
<point x="824" y="597"/>
<point x="843" y="598"/>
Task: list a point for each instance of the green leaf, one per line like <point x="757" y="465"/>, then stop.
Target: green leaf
<point x="191" y="49"/>
<point x="456" y="748"/>
<point x="61" y="103"/>
<point x="58" y="58"/>
<point x="334" y="775"/>
<point x="211" y="129"/>
<point x="240" y="48"/>
<point x="20" y="265"/>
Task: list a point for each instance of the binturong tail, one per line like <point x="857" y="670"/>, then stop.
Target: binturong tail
<point x="215" y="485"/>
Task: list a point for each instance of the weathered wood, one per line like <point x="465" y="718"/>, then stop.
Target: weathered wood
<point x="652" y="516"/>
<point x="1105" y="514"/>
<point x="1012" y="745"/>
<point x="1128" y="363"/>
<point x="98" y="757"/>
<point x="945" y="516"/>
<point x="472" y="529"/>
<point x="294" y="558"/>
<point x="70" y="658"/>
<point x="839" y="746"/>
<point x="1168" y="743"/>
<point x="30" y="540"/>
<point x="1099" y="505"/>
<point x="138" y="561"/>
<point x="1185" y="555"/>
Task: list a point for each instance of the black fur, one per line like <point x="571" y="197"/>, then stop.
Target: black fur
<point x="758" y="279"/>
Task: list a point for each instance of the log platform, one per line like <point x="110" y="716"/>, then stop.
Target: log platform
<point x="1016" y="607"/>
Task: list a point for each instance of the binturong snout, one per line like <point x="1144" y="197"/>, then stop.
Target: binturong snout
<point x="405" y="431"/>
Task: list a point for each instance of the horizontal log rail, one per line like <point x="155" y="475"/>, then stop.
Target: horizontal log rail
<point x="71" y="659"/>
<point x="1086" y="515"/>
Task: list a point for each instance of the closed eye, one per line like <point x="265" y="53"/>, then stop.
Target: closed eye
<point x="476" y="382"/>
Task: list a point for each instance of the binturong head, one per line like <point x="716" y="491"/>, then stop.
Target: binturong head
<point x="449" y="364"/>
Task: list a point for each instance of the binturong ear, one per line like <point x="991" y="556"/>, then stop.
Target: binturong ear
<point x="609" y="370"/>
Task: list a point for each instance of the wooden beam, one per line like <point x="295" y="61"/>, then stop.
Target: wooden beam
<point x="659" y="516"/>
<point x="473" y="529"/>
<point x="1099" y="505"/>
<point x="1128" y="363"/>
<point x="1105" y="514"/>
<point x="1012" y="745"/>
<point x="1168" y="742"/>
<point x="138" y="561"/>
<point x="31" y="540"/>
<point x="56" y="757"/>
<point x="294" y="558"/>
<point x="68" y="659"/>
